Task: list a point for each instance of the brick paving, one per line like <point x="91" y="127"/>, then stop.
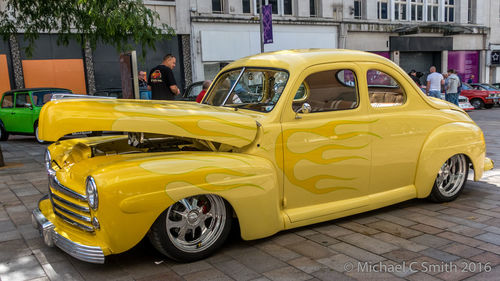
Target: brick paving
<point x="463" y="233"/>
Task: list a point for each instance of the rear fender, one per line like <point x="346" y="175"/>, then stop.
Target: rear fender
<point x="444" y="142"/>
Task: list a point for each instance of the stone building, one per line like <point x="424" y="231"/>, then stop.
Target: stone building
<point x="416" y="34"/>
<point x="459" y="34"/>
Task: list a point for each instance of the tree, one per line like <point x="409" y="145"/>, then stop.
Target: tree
<point x="112" y="22"/>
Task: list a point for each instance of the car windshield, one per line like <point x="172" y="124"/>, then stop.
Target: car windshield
<point x="248" y="88"/>
<point x="488" y="87"/>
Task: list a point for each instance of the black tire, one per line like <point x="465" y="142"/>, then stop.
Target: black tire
<point x="36" y="134"/>
<point x="477" y="103"/>
<point x="488" y="106"/>
<point x="451" y="179"/>
<point x="170" y="224"/>
<point x="4" y="135"/>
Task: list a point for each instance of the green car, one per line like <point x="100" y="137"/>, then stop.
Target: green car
<point x="20" y="109"/>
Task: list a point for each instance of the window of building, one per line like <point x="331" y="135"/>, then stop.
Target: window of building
<point x="384" y="91"/>
<point x="8" y="101"/>
<point x="357" y="9"/>
<point x="274" y="6"/>
<point x="417" y="10"/>
<point x="328" y="91"/>
<point x="279" y="7"/>
<point x="400" y="9"/>
<point x="313" y="8"/>
<point x="449" y="10"/>
<point x="383" y="9"/>
<point x="471" y="11"/>
<point x="246" y="6"/>
<point x="287" y="7"/>
<point x="217" y="6"/>
<point x="432" y="10"/>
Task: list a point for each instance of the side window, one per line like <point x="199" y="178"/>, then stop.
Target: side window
<point x="22" y="100"/>
<point x="8" y="101"/>
<point x="384" y="90"/>
<point x="328" y="91"/>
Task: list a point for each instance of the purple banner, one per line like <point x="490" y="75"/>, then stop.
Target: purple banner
<point x="267" y="23"/>
<point x="386" y="55"/>
<point x="465" y="63"/>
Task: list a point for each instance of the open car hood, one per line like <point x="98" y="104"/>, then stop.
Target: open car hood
<point x="190" y="120"/>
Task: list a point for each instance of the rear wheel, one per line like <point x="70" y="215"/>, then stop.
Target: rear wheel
<point x="450" y="179"/>
<point x="477" y="103"/>
<point x="192" y="228"/>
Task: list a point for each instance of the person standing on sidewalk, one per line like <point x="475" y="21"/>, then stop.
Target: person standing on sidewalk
<point x="434" y="82"/>
<point x="162" y="80"/>
<point x="452" y="87"/>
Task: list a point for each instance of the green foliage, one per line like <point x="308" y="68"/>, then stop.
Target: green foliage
<point x="113" y="22"/>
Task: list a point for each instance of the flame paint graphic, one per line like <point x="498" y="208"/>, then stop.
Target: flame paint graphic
<point x="204" y="126"/>
<point x="202" y="171"/>
<point x="327" y="131"/>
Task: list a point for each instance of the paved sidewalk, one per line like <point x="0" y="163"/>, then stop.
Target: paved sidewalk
<point x="414" y="240"/>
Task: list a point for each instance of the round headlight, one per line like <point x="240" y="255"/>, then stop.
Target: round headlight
<point x="91" y="192"/>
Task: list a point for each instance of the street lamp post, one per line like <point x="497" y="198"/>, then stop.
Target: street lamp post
<point x="261" y="28"/>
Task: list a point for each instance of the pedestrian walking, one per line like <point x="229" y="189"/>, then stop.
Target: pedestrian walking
<point x="204" y="89"/>
<point x="162" y="80"/>
<point x="434" y="82"/>
<point x="452" y="87"/>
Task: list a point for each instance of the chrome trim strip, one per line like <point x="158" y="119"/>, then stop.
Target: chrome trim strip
<point x="93" y="254"/>
<point x="71" y="204"/>
<point x="72" y="222"/>
<point x="59" y="187"/>
<point x="71" y="213"/>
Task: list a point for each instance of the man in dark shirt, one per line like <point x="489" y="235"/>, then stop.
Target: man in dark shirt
<point x="162" y="80"/>
<point x="413" y="76"/>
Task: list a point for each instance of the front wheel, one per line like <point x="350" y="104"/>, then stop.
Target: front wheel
<point x="38" y="139"/>
<point x="192" y="228"/>
<point x="450" y="179"/>
<point x="477" y="103"/>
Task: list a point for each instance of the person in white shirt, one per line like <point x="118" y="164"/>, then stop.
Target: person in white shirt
<point x="434" y="82"/>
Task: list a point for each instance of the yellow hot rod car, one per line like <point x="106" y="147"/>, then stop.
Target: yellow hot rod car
<point x="281" y="140"/>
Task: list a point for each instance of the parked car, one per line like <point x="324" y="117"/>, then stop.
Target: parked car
<point x="463" y="102"/>
<point x="118" y="93"/>
<point x="344" y="132"/>
<point x="493" y="92"/>
<point x="20" y="109"/>
<point x="496" y="85"/>
<point x="479" y="96"/>
<point x="192" y="91"/>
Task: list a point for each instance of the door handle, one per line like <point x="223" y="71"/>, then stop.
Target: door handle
<point x="12" y="113"/>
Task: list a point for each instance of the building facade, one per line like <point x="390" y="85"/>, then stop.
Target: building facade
<point x="416" y="34"/>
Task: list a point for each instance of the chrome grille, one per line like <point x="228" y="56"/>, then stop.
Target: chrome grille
<point x="67" y="210"/>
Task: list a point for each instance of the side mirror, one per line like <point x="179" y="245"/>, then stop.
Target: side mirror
<point x="28" y="105"/>
<point x="305" y="108"/>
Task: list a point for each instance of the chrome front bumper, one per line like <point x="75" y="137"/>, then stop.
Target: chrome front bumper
<point x="50" y="236"/>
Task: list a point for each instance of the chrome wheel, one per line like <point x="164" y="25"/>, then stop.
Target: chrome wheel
<point x="194" y="224"/>
<point x="36" y="136"/>
<point x="452" y="175"/>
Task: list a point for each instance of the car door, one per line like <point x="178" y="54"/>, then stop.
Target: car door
<point x="23" y="113"/>
<point x="6" y="114"/>
<point x="326" y="152"/>
<point x="402" y="124"/>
